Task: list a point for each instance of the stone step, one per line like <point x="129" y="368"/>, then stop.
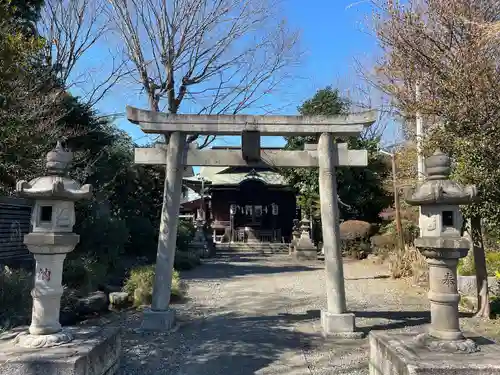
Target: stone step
<point x="262" y="247"/>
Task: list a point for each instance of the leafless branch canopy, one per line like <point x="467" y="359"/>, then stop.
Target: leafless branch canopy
<point x="72" y="28"/>
<point x="446" y="47"/>
<point x="220" y="56"/>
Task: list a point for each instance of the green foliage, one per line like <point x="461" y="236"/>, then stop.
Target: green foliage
<point x="410" y="230"/>
<point x="186" y="260"/>
<point x="15" y="297"/>
<point x="103" y="238"/>
<point x="466" y="267"/>
<point x="495" y="306"/>
<point x="355" y="236"/>
<point x="84" y="273"/>
<point x="23" y="13"/>
<point x="185" y="233"/>
<point x="326" y="102"/>
<point x="360" y="188"/>
<point x="139" y="285"/>
<point x="383" y="245"/>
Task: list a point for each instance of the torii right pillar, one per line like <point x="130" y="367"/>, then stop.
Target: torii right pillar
<point x="336" y="321"/>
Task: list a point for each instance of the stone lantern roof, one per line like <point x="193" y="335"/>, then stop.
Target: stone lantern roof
<point x="438" y="189"/>
<point x="56" y="185"/>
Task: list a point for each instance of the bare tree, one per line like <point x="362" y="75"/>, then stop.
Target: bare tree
<point x="448" y="48"/>
<point x="363" y="96"/>
<point x="72" y="29"/>
<point x="221" y="56"/>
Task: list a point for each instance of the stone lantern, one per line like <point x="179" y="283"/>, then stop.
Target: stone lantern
<point x="51" y="238"/>
<point x="199" y="242"/>
<point x="441" y="242"/>
<point x="304" y="247"/>
<point x="443" y="348"/>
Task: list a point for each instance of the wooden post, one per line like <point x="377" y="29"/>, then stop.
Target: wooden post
<point x="399" y="226"/>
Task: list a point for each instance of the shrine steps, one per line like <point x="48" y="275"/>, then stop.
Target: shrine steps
<point x="257" y="247"/>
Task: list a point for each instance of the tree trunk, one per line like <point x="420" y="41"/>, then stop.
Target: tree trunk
<point x="483" y="302"/>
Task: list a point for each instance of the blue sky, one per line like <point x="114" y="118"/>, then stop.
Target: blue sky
<point x="334" y="36"/>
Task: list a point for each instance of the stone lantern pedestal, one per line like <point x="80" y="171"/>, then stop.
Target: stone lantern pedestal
<point x="443" y="348"/>
<point x="304" y="248"/>
<point x="295" y="236"/>
<point x="209" y="239"/>
<point x="46" y="347"/>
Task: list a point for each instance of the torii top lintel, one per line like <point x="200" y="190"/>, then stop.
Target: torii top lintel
<point x="159" y="122"/>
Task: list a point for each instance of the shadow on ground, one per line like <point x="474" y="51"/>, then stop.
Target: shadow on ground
<point x="397" y="319"/>
<point x="229" y="265"/>
<point x="223" y="344"/>
<point x="391" y="319"/>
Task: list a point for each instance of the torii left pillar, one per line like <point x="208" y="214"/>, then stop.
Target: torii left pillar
<point x="160" y="316"/>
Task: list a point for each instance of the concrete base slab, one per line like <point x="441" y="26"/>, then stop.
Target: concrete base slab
<point x="158" y="320"/>
<point x="400" y="354"/>
<point x="305" y="254"/>
<point x="339" y="325"/>
<point x="93" y="351"/>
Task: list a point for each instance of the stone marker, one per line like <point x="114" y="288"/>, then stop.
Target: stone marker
<point x="52" y="220"/>
<point x="443" y="348"/>
<point x="119" y="299"/>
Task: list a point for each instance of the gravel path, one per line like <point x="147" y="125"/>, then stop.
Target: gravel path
<point x="254" y="314"/>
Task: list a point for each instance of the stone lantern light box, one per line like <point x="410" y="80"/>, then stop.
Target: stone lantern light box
<point x="439" y="199"/>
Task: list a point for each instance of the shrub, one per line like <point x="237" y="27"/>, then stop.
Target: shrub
<point x="466" y="266"/>
<point x="355" y="229"/>
<point x="84" y="273"/>
<point x="408" y="262"/>
<point x="186" y="260"/>
<point x="410" y="230"/>
<point x="103" y="238"/>
<point x="354" y="236"/>
<point x="15" y="297"/>
<point x="356" y="248"/>
<point x="140" y="283"/>
<point x="185" y="234"/>
<point x="383" y="244"/>
<point x="143" y="237"/>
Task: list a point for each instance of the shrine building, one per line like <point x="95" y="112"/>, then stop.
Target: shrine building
<point x="243" y="204"/>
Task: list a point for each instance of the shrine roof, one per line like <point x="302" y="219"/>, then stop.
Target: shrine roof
<point x="217" y="176"/>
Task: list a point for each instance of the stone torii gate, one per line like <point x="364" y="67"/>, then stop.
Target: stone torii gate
<point x="326" y="155"/>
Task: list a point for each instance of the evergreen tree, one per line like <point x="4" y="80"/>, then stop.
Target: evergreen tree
<point x="361" y="189"/>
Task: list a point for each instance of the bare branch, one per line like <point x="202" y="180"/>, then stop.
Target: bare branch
<point x="71" y="29"/>
<point x="221" y="56"/>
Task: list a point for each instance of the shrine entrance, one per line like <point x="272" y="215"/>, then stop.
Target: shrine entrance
<point x="255" y="215"/>
<point x="326" y="156"/>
